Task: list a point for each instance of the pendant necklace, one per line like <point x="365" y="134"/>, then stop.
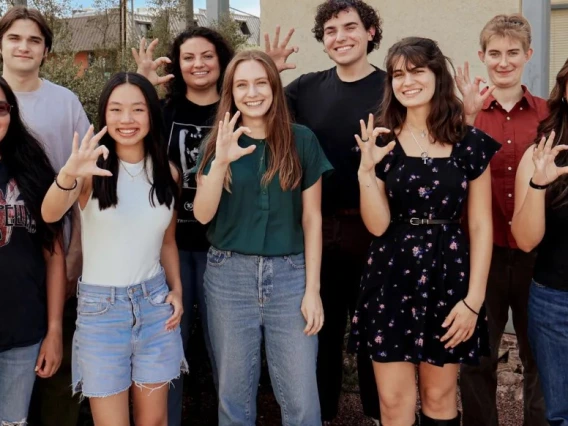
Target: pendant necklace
<point x="132" y="176"/>
<point x="424" y="153"/>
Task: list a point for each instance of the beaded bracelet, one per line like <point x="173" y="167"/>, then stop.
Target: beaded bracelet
<point x="469" y="307"/>
<point x="63" y="188"/>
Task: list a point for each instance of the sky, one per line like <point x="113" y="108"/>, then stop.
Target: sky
<point x="250" y="6"/>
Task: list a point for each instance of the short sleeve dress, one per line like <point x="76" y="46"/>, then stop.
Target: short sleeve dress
<point x="415" y="275"/>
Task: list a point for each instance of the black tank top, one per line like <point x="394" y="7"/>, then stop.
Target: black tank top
<point x="551" y="268"/>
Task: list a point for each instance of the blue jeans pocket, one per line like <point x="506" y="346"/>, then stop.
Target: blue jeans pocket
<point x="158" y="297"/>
<point x="297" y="261"/>
<point x="217" y="257"/>
<point x="89" y="305"/>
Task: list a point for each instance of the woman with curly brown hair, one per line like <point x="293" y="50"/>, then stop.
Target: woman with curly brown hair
<point x="422" y="290"/>
<point x="541" y="220"/>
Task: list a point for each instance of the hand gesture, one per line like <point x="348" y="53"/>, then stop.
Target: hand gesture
<point x="371" y="154"/>
<point x="174" y="299"/>
<point x="461" y="322"/>
<point x="83" y="160"/>
<point x="280" y="53"/>
<point x="227" y="146"/>
<point x="545" y="169"/>
<point x="472" y="98"/>
<point x="149" y="67"/>
<point x="312" y="310"/>
<point x="50" y="355"/>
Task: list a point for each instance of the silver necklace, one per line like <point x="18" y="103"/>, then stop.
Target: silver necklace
<point x="132" y="176"/>
<point x="424" y="153"/>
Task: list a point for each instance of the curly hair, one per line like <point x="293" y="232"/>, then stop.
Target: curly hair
<point x="369" y="17"/>
<point x="176" y="87"/>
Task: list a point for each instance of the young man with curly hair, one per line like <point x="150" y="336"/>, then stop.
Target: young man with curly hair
<point x="331" y="103"/>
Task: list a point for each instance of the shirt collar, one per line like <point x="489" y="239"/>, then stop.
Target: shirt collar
<point x="527" y="97"/>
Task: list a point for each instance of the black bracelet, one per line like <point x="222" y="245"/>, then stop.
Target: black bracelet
<point x="63" y="188"/>
<point x="535" y="186"/>
<point x="469" y="307"/>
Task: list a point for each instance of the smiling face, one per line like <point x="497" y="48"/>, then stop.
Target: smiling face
<point x="23" y="47"/>
<point x="345" y="38"/>
<point x="127" y="115"/>
<point x="412" y="86"/>
<point x="199" y="63"/>
<point x="505" y="59"/>
<point x="252" y="92"/>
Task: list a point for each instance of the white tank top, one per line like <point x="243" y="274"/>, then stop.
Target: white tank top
<point x="122" y="244"/>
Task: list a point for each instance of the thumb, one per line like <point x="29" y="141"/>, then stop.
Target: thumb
<point x="449" y="319"/>
<point x="487" y="93"/>
<point x="40" y="360"/>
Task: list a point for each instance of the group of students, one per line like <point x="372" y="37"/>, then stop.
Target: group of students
<point x="351" y="192"/>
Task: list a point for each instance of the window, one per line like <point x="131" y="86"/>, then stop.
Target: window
<point x="244" y="28"/>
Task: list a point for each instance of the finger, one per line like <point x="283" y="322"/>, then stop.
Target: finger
<point x="238" y="133"/>
<point x="233" y="121"/>
<point x="310" y="323"/>
<point x="95" y="139"/>
<point x="377" y="131"/>
<point x="477" y="81"/>
<point x="101" y="150"/>
<point x="276" y="37"/>
<point x="370" y="123"/>
<point x="141" y="47"/>
<point x="288" y="66"/>
<point x="87" y="138"/>
<point x="40" y="361"/>
<point x="151" y="47"/>
<point x="165" y="79"/>
<point x="267" y="48"/>
<point x="549" y="141"/>
<point x="540" y="145"/>
<point x="558" y="149"/>
<point x="75" y="145"/>
<point x="360" y="143"/>
<point x="227" y="122"/>
<point x="448" y="336"/>
<point x="364" y="136"/>
<point x="459" y="74"/>
<point x="466" y="71"/>
<point x="487" y="93"/>
<point x="162" y="60"/>
<point x="449" y="319"/>
<point x="287" y="38"/>
<point x="455" y="340"/>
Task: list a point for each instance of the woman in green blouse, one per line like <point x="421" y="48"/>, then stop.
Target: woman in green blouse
<point x="259" y="187"/>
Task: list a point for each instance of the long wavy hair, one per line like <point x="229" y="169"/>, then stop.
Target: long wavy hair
<point x="164" y="187"/>
<point x="28" y="164"/>
<point x="282" y="154"/>
<point x="176" y="87"/>
<point x="446" y="121"/>
<point x="557" y="120"/>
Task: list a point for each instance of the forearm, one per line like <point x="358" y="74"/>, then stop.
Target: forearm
<point x="375" y="210"/>
<point x="312" y="226"/>
<point x="57" y="201"/>
<point x="55" y="283"/>
<point x="209" y="193"/>
<point x="529" y="222"/>
<point x="481" y="246"/>
<point x="74" y="258"/>
<point x="170" y="262"/>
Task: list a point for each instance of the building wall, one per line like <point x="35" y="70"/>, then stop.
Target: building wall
<point x="455" y="24"/>
<point x="81" y="59"/>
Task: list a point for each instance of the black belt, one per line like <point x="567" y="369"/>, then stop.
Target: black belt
<point x="416" y="221"/>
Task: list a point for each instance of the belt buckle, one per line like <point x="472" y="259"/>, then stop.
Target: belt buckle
<point x="415" y="221"/>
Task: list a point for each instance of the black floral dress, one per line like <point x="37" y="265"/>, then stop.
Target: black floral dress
<point x="415" y="275"/>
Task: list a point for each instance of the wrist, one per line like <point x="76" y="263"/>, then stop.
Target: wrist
<point x="55" y="328"/>
<point x="475" y="302"/>
<point x="65" y="179"/>
<point x="219" y="164"/>
<point x="539" y="179"/>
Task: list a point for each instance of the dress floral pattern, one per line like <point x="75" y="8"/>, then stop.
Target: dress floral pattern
<point x="416" y="274"/>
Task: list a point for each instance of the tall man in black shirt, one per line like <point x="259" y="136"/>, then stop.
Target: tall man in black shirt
<point x="331" y="103"/>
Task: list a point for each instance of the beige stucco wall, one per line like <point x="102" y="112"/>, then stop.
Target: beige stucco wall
<point x="455" y="24"/>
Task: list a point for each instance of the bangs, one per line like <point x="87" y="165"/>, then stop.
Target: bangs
<point x="407" y="57"/>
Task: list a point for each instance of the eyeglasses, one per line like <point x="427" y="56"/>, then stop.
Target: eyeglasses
<point x="5" y="108"/>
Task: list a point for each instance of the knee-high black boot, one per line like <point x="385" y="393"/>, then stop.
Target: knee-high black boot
<point x="427" y="421"/>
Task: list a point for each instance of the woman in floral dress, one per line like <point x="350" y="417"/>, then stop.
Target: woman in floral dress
<point x="422" y="291"/>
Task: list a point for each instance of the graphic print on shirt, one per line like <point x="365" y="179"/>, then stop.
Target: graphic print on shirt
<point x="13" y="213"/>
<point x="184" y="143"/>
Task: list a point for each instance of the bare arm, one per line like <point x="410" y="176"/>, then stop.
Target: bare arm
<point x="51" y="350"/>
<point x="312" y="308"/>
<point x="74" y="258"/>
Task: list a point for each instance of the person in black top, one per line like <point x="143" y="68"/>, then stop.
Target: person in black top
<point x="331" y="103"/>
<point x="33" y="280"/>
<point x="540" y="221"/>
<point x="195" y="66"/>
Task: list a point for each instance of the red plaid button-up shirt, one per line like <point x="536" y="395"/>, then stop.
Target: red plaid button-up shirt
<point x="515" y="130"/>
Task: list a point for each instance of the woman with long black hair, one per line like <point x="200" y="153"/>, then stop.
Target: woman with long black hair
<point x="32" y="281"/>
<point x="541" y="220"/>
<point x="129" y="295"/>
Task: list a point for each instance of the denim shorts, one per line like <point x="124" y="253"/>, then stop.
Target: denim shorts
<point x="121" y="338"/>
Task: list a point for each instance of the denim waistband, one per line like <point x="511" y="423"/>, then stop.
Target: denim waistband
<point x="145" y="287"/>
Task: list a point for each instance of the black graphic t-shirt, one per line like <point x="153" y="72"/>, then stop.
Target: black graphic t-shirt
<point x="187" y="125"/>
<point x="23" y="298"/>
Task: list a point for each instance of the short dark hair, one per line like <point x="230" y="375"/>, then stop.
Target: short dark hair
<point x="369" y="16"/>
<point x="176" y="86"/>
<point x="21" y="12"/>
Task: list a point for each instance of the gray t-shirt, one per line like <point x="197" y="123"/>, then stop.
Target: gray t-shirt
<point x="53" y="113"/>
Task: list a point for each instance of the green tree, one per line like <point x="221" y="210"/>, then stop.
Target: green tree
<point x="231" y="31"/>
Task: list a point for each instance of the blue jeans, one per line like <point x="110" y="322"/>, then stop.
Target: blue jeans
<point x="548" y="335"/>
<point x="17" y="377"/>
<point x="192" y="268"/>
<point x="248" y="298"/>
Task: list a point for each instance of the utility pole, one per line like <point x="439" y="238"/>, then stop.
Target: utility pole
<point x="216" y="10"/>
<point x="21" y="3"/>
<point x="189" y="18"/>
